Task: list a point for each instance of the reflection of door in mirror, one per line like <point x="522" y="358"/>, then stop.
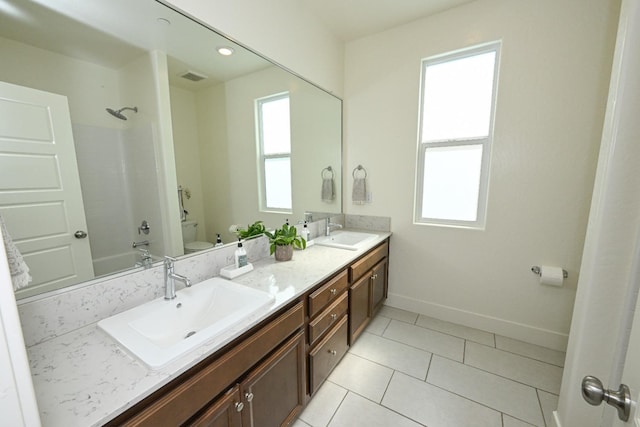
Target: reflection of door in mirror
<point x="40" y="197"/>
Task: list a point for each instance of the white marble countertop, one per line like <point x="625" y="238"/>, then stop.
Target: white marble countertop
<point x="84" y="378"/>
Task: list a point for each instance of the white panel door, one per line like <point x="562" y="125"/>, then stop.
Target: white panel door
<point x="40" y="197"/>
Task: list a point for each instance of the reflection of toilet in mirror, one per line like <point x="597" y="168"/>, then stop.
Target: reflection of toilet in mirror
<point x="189" y="229"/>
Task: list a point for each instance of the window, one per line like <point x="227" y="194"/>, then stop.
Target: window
<point x="274" y="147"/>
<point x="456" y="123"/>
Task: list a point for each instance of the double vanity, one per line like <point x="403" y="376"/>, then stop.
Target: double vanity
<point x="260" y="348"/>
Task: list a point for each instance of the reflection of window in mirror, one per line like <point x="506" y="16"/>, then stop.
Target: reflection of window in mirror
<point x="274" y="149"/>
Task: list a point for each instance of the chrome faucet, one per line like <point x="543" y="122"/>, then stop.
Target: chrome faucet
<point x="329" y="226"/>
<point x="170" y="277"/>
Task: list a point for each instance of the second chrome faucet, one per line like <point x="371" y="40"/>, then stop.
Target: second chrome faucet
<point x="170" y="277"/>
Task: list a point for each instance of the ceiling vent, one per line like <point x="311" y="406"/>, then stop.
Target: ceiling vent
<point x="193" y="76"/>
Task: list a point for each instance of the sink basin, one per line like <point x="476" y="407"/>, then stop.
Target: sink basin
<point x="161" y="331"/>
<point x="351" y="240"/>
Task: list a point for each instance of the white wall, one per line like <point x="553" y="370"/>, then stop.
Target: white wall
<point x="90" y="88"/>
<point x="555" y="64"/>
<point x="184" y="118"/>
<point x="282" y="30"/>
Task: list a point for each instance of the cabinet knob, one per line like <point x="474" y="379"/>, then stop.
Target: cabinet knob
<point x="248" y="396"/>
<point x="239" y="406"/>
<point x="332" y="352"/>
<point x="334" y="316"/>
<point x="333" y="291"/>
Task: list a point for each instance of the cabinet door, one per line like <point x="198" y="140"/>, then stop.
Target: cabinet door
<point x="224" y="412"/>
<point x="274" y="392"/>
<point x="358" y="307"/>
<point x="378" y="286"/>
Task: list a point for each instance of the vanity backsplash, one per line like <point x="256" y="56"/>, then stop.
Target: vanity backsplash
<point x="51" y="315"/>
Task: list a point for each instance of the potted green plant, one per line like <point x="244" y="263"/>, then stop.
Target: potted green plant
<point x="283" y="240"/>
<point x="253" y="230"/>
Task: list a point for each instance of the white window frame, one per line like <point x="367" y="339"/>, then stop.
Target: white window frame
<point x="262" y="158"/>
<point x="485" y="142"/>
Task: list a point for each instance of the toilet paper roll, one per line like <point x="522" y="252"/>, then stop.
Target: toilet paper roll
<point x="551" y="276"/>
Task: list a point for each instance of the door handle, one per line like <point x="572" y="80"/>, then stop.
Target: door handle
<point x="594" y="393"/>
<point x="80" y="234"/>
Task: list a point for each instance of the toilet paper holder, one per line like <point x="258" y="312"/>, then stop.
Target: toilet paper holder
<point x="536" y="270"/>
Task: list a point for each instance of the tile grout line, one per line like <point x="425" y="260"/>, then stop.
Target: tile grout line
<point x="428" y="368"/>
<point x="339" y="405"/>
<point x="464" y="351"/>
<point x="520" y="355"/>
<point x="540" y="406"/>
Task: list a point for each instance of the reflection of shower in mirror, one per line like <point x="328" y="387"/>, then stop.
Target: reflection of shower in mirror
<point x="118" y="113"/>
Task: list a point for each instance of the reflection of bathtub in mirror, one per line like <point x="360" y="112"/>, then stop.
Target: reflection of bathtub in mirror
<point x="117" y="169"/>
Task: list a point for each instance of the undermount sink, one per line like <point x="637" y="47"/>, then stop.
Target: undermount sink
<point x="162" y="330"/>
<point x="351" y="240"/>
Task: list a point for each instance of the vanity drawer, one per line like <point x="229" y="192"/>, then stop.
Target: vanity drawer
<point x="327" y="293"/>
<point x="326" y="355"/>
<point x="366" y="263"/>
<point x="328" y="318"/>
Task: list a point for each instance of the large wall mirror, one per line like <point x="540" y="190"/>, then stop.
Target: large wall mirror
<point x="122" y="120"/>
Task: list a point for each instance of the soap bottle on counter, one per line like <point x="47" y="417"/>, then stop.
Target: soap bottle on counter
<point x="305" y="232"/>
<point x="218" y="241"/>
<point x="240" y="255"/>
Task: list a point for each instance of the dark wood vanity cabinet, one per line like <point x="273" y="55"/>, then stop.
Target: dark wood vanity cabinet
<point x="368" y="289"/>
<point x="265" y="377"/>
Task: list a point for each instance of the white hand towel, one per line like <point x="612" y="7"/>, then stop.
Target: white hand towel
<point x="328" y="193"/>
<point x="17" y="267"/>
<point x="359" y="194"/>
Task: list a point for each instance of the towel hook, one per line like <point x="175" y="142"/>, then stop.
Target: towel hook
<point x="359" y="168"/>
<point x="327" y="169"/>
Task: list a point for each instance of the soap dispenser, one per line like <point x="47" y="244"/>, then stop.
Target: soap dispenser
<point x="305" y="232"/>
<point x="218" y="241"/>
<point x="240" y="255"/>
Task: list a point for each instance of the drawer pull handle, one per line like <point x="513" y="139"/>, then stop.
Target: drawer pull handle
<point x="374" y="277"/>
<point x="332" y="352"/>
<point x="248" y="396"/>
<point x="239" y="406"/>
<point x="334" y="316"/>
<point x="333" y="291"/>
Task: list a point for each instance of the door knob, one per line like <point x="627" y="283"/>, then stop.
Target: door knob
<point x="80" y="234"/>
<point x="594" y="393"/>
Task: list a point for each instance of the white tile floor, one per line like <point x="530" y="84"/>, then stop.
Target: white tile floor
<point x="411" y="370"/>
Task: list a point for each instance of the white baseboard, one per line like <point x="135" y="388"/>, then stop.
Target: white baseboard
<point x="531" y="334"/>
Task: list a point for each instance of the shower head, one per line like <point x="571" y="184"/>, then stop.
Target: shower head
<point x="118" y="113"/>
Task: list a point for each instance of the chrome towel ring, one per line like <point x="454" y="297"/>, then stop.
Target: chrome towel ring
<point x="358" y="169"/>
<point x="327" y="169"/>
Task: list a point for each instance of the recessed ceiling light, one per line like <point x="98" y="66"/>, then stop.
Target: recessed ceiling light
<point x="225" y="50"/>
<point x="164" y="21"/>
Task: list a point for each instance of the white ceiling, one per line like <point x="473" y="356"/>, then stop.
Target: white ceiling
<point x="99" y="32"/>
<point x="352" y="19"/>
